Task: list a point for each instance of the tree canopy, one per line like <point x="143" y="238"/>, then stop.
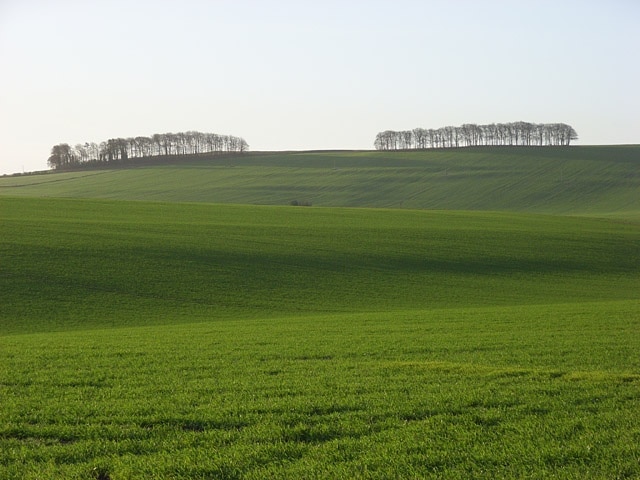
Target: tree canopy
<point x="470" y="135"/>
<point x="118" y="150"/>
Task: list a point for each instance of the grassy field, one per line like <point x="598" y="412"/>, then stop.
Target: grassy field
<point x="501" y="392"/>
<point x="166" y="340"/>
<point x="551" y="180"/>
<point x="129" y="263"/>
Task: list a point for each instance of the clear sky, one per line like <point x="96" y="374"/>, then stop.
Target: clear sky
<point x="297" y="75"/>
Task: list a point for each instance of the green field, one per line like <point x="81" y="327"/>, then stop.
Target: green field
<point x="164" y="339"/>
<point x="552" y="180"/>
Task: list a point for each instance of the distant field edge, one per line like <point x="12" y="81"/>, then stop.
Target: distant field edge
<point x="597" y="181"/>
<point x="206" y="157"/>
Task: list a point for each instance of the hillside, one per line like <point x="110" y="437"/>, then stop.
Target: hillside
<point x="84" y="263"/>
<point x="170" y="340"/>
<point x="597" y="180"/>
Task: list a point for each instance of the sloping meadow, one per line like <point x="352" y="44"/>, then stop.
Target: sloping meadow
<point x="157" y="340"/>
<point x="84" y="264"/>
<point x="594" y="180"/>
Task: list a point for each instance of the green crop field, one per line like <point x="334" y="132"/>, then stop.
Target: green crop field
<point x="165" y="339"/>
<point x="555" y="180"/>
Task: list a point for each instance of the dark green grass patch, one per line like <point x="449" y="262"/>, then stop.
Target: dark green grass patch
<point x="85" y="264"/>
<point x="558" y="180"/>
<point x="495" y="392"/>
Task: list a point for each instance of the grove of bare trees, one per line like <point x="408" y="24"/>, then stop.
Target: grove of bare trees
<point x="471" y="135"/>
<point x="120" y="150"/>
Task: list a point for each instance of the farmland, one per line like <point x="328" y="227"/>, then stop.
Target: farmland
<point x="167" y="339"/>
<point x="553" y="180"/>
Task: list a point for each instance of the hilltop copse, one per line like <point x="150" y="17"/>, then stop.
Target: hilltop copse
<point x="122" y="150"/>
<point x="472" y="135"/>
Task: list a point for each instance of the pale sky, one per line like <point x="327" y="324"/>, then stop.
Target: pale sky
<point x="298" y="75"/>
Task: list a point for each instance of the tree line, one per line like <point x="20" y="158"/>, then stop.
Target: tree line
<point x="471" y="135"/>
<point x="120" y="150"/>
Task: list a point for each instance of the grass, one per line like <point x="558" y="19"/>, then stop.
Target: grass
<point x="128" y="263"/>
<point x="550" y="180"/>
<point x="161" y="340"/>
<point x="497" y="392"/>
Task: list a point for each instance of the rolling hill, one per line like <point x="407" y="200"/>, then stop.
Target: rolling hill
<point x="155" y="324"/>
<point x="603" y="180"/>
<point x="84" y="263"/>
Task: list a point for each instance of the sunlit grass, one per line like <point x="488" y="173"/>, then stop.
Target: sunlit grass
<point x="143" y="340"/>
<point x="483" y="392"/>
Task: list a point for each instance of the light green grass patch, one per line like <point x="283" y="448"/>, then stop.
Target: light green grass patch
<point x="486" y="392"/>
